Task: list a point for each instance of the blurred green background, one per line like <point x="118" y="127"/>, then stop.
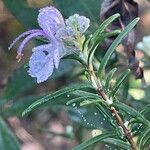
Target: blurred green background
<point x="55" y="127"/>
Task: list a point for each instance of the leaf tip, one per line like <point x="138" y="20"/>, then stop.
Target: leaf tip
<point x="25" y="112"/>
<point x="128" y="71"/>
<point x="117" y="15"/>
<point x="137" y="19"/>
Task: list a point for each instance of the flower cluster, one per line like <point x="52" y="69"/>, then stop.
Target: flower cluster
<point x="64" y="37"/>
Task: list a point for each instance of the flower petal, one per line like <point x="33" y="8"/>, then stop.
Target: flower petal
<point x="42" y="62"/>
<point x="56" y="57"/>
<point x="50" y="19"/>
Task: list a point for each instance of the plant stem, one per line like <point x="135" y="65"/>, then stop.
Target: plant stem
<point x="127" y="132"/>
<point x="115" y="113"/>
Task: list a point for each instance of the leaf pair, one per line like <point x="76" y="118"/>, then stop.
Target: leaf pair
<point x="128" y="10"/>
<point x="100" y="35"/>
<point x="50" y="98"/>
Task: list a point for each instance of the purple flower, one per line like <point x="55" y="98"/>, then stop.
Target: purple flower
<point x="65" y="37"/>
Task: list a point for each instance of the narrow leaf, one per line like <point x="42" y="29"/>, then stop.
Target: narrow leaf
<point x="119" y="82"/>
<point x="98" y="36"/>
<point x="93" y="140"/>
<point x="146" y="110"/>
<point x="102" y="28"/>
<point x="145" y="136"/>
<point x="86" y="45"/>
<point x="7" y="139"/>
<point x="129" y="110"/>
<point x="53" y="96"/>
<point x="80" y="99"/>
<point x="105" y="115"/>
<point x="85" y="93"/>
<point x="117" y="41"/>
<point x="118" y="143"/>
<point x="89" y="102"/>
<point x="109" y="78"/>
<point x="112" y="33"/>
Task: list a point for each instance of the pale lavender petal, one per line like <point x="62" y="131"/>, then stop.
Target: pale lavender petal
<point x="50" y="19"/>
<point x="83" y="23"/>
<point x="42" y="62"/>
<point x="56" y="57"/>
<point x="22" y="35"/>
<point x="28" y="38"/>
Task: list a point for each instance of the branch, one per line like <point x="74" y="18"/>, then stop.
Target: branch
<point x="115" y="113"/>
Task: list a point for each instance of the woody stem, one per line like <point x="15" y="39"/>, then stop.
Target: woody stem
<point x="113" y="110"/>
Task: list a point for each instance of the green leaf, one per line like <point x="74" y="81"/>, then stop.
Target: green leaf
<point x="117" y="41"/>
<point x="136" y="127"/>
<point x="80" y="99"/>
<point x="106" y="115"/>
<point x="88" y="117"/>
<point x="103" y="138"/>
<point x="86" y="93"/>
<point x="112" y="33"/>
<point x="118" y="143"/>
<point x="86" y="44"/>
<point x="26" y="15"/>
<point x="146" y="110"/>
<point x="84" y="98"/>
<point x="144" y="138"/>
<point x="98" y="36"/>
<point x="131" y="111"/>
<point x="93" y="140"/>
<point x="51" y="97"/>
<point x="74" y="57"/>
<point x="109" y="78"/>
<point x="119" y="82"/>
<point x="90" y="101"/>
<point x="7" y="139"/>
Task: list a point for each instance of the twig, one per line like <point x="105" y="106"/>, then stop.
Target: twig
<point x="118" y="119"/>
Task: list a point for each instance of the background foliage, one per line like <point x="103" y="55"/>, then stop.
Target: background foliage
<point x="21" y="90"/>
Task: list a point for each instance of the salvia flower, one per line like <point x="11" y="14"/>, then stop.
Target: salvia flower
<point x="64" y="37"/>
